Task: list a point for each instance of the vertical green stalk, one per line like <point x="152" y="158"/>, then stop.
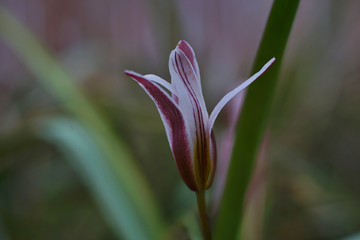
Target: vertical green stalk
<point x="254" y="118"/>
<point x="204" y="219"/>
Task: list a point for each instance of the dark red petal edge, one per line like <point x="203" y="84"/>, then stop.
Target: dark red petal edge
<point x="172" y="117"/>
<point x="189" y="53"/>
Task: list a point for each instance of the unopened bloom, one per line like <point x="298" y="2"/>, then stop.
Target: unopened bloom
<point x="187" y="123"/>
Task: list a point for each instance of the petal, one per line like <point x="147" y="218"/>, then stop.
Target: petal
<point x="213" y="160"/>
<point x="202" y="159"/>
<point x="185" y="72"/>
<point x="176" y="130"/>
<point x="190" y="55"/>
<point x="188" y="91"/>
<point x="160" y="81"/>
<point x="231" y="94"/>
<point x="192" y="105"/>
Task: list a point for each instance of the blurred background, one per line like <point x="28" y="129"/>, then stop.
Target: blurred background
<point x="47" y="177"/>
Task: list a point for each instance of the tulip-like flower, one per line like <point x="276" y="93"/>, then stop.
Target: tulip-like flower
<point x="187" y="123"/>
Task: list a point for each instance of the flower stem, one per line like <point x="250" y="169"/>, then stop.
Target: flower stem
<point x="204" y="219"/>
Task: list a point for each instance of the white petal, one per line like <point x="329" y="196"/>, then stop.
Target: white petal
<point x="231" y="94"/>
<point x="160" y="81"/>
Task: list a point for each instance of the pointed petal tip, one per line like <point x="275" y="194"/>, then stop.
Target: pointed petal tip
<point x="132" y="74"/>
<point x="267" y="65"/>
<point x="128" y="72"/>
<point x="135" y="76"/>
<point x="182" y="43"/>
<point x="186" y="48"/>
<point x="270" y="62"/>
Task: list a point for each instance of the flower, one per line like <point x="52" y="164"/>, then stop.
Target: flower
<point x="187" y="123"/>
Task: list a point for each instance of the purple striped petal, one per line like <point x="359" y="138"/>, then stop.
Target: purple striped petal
<point x="175" y="127"/>
<point x="185" y="76"/>
<point x="190" y="55"/>
<point x="188" y="91"/>
<point x="186" y="82"/>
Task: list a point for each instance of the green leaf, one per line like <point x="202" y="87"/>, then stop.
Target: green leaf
<point x="352" y="237"/>
<point x="254" y="118"/>
<point x="85" y="155"/>
<point x="47" y="70"/>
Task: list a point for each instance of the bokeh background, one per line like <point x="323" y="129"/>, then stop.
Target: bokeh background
<point x="312" y="166"/>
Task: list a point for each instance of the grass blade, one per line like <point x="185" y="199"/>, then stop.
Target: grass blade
<point x="77" y="146"/>
<point x="254" y="118"/>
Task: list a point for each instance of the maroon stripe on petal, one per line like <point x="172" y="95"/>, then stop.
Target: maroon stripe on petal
<point x="175" y="124"/>
<point x="201" y="144"/>
<point x="189" y="53"/>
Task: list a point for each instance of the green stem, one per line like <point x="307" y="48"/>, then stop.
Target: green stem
<point x="204" y="219"/>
